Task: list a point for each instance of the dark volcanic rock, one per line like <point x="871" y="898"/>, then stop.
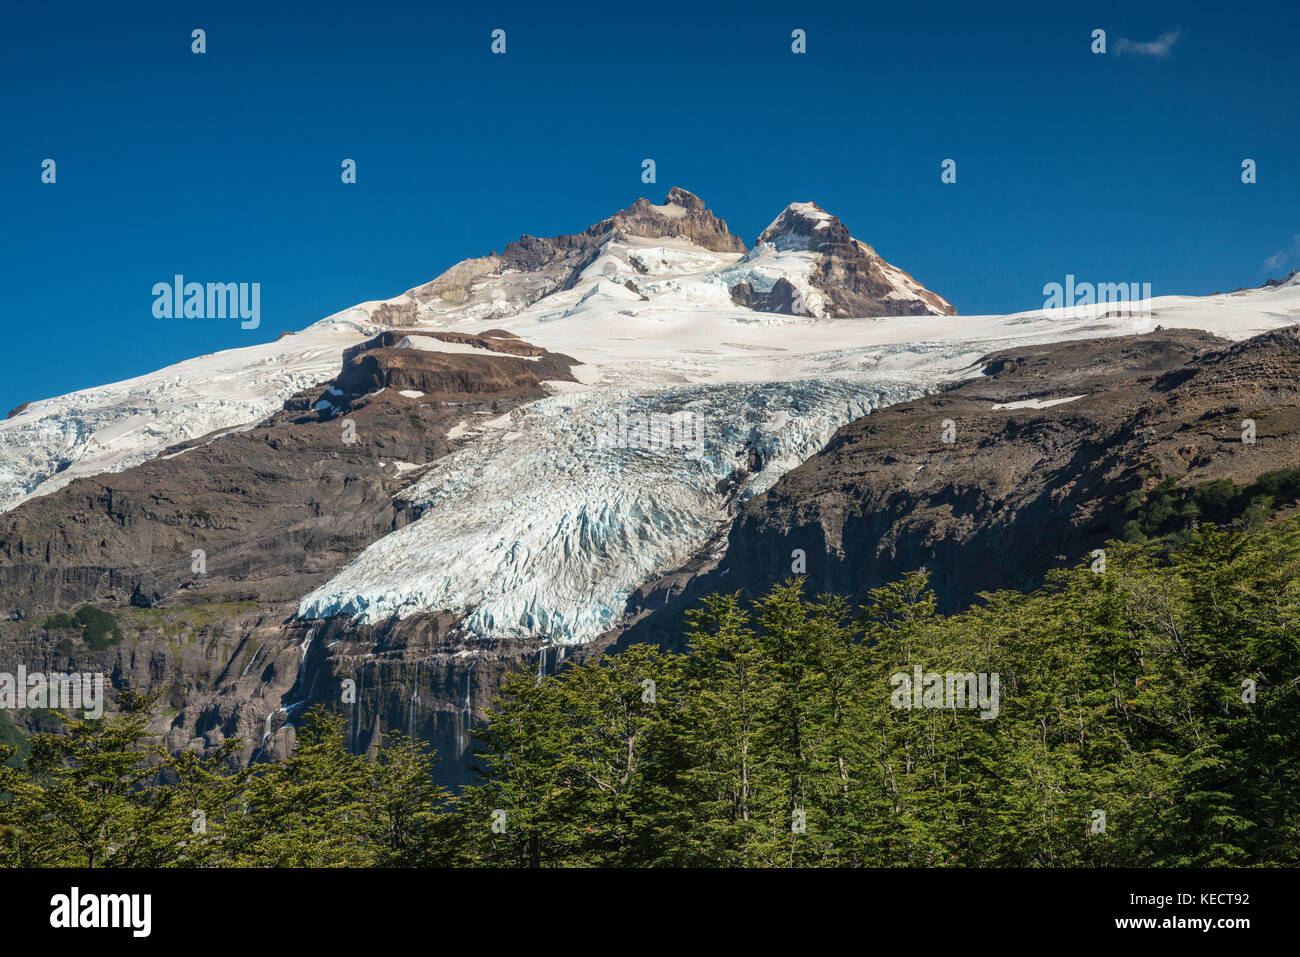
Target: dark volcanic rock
<point x="384" y="362"/>
<point x="782" y="298"/>
<point x="682" y="215"/>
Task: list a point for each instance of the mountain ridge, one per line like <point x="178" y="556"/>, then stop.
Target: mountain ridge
<point x="425" y="493"/>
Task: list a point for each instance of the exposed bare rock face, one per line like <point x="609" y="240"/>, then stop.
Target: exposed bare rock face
<point x="853" y="278"/>
<point x="395" y="359"/>
<point x="453" y="286"/>
<point x="204" y="552"/>
<point x="1020" y="490"/>
<point x="547" y="265"/>
<point x="682" y="216"/>
<point x="782" y="298"/>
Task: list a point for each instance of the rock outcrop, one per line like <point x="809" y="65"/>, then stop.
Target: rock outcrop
<point x="539" y="266"/>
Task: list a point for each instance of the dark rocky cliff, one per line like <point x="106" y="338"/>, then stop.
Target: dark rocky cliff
<point x="275" y="511"/>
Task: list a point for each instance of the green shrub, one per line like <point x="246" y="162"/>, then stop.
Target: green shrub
<point x="61" y="621"/>
<point x="99" y="628"/>
<point x="1167" y="509"/>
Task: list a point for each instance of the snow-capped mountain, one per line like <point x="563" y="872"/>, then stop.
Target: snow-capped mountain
<point x="565" y="444"/>
<point x="681" y="254"/>
<point x="848" y="277"/>
<point x="544" y="520"/>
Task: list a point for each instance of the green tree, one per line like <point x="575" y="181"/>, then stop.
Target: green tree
<point x="306" y="811"/>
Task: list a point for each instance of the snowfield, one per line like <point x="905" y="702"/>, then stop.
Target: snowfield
<point x="115" y="427"/>
<point x="547" y="519"/>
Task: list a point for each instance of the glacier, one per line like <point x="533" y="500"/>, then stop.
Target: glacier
<point x="538" y="527"/>
<point x="544" y="527"/>
<point x="544" y="521"/>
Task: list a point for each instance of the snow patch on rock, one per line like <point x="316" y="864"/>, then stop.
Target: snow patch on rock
<point x="1036" y="403"/>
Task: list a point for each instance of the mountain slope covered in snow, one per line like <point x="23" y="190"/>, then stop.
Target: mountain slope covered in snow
<point x="46" y="444"/>
<point x="559" y="446"/>
<point x="543" y="522"/>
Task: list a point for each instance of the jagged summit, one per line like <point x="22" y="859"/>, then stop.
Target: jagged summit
<point x="534" y="267"/>
<point x="804" y="226"/>
<point x="851" y="276"/>
<point x="806" y="263"/>
<point x="682" y="215"/>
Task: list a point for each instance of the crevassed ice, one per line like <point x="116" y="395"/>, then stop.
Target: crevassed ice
<point x="545" y="526"/>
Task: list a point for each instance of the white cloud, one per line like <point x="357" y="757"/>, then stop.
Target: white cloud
<point x="1156" y="48"/>
<point x="1284" y="256"/>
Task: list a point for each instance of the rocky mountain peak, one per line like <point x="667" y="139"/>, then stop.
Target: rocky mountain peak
<point x="805" y="226"/>
<point x="853" y="280"/>
<point x="684" y="197"/>
<point x="543" y="265"/>
<point x="844" y="279"/>
<point x="681" y="215"/>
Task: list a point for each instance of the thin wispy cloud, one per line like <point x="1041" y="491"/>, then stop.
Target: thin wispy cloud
<point x="1284" y="257"/>
<point x="1157" y="48"/>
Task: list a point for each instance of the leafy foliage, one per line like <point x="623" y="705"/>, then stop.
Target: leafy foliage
<point x="1148" y="715"/>
<point x="1169" y="508"/>
<point x="99" y="628"/>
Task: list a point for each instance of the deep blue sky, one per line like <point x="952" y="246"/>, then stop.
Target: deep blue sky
<point x="225" y="166"/>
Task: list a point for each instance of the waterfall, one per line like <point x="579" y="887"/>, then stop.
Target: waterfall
<point x="303" y="649"/>
<point x="252" y="659"/>
<point x="356" y="708"/>
<point x="467" y="711"/>
<point x="266" y="734"/>
<point x="415" y="700"/>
